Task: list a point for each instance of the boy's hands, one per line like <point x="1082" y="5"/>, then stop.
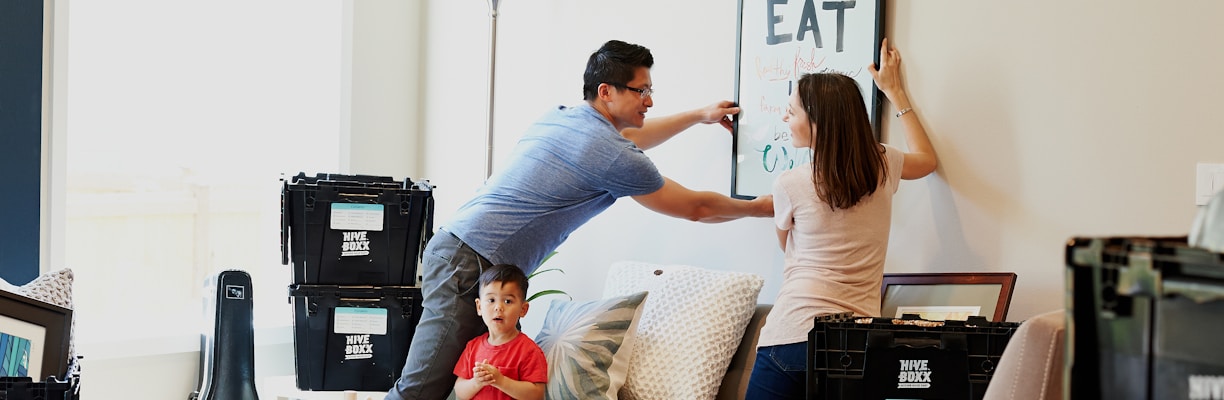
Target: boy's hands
<point x="486" y="374"/>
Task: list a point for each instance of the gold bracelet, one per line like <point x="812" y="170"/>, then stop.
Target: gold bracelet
<point x="902" y="112"/>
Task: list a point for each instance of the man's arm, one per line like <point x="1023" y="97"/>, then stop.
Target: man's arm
<point x="657" y="130"/>
<point x="678" y="201"/>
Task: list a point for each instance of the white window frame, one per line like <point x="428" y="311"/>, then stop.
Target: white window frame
<point x="389" y="151"/>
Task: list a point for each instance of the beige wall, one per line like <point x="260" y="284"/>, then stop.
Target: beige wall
<point x="1052" y="119"/>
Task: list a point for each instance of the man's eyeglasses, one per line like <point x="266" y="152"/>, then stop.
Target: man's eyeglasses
<point x="647" y="92"/>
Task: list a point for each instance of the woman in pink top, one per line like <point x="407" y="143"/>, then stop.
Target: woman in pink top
<point x="833" y="218"/>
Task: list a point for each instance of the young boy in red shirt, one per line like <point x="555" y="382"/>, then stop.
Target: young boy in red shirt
<point x="502" y="363"/>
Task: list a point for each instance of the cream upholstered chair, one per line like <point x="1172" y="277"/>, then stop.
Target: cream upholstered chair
<point x="1031" y="367"/>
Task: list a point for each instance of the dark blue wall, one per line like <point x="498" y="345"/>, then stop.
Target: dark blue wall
<point x="21" y="52"/>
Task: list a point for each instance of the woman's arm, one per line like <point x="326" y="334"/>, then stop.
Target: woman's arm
<point x="920" y="160"/>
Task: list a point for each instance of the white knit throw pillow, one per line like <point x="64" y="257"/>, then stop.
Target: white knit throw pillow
<point x="692" y="324"/>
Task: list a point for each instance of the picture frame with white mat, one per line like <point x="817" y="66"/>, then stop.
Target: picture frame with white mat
<point x="36" y="335"/>
<point x="948" y="295"/>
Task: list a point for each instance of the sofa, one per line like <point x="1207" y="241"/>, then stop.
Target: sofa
<point x="657" y="332"/>
<point x="687" y="341"/>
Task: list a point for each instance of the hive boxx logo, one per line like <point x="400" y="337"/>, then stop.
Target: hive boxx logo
<point x="358" y="347"/>
<point x="355" y="244"/>
<point x="914" y="375"/>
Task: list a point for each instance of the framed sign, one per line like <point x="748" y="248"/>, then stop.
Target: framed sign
<point x="779" y="41"/>
<point x="33" y="337"/>
<point x="948" y="295"/>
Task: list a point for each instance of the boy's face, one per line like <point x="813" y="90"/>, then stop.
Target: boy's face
<point x="501" y="304"/>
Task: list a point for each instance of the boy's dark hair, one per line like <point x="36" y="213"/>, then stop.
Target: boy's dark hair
<point x="505" y="273"/>
<point x="614" y="63"/>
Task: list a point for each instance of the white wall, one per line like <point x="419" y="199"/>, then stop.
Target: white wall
<point x="172" y="374"/>
<point x="1051" y="118"/>
<point x="383" y="88"/>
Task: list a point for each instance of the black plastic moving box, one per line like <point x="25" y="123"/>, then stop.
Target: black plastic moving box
<point x="352" y="338"/>
<point x="1146" y="317"/>
<point x="354" y="229"/>
<point x="890" y="358"/>
<point x="24" y="388"/>
<point x="355" y="242"/>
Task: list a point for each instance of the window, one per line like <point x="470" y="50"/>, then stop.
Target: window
<point x="181" y="118"/>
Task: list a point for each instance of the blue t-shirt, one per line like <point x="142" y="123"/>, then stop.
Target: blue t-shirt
<point x="570" y="165"/>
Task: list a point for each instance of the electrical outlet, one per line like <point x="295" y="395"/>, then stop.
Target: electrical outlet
<point x="1208" y="180"/>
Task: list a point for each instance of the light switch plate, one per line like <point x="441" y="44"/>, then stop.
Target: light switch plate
<point x="1208" y="180"/>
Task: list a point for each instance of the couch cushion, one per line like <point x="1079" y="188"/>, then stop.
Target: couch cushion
<point x="588" y="346"/>
<point x="692" y="324"/>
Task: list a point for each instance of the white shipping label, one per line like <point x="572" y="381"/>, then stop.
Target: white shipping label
<point x="356" y="217"/>
<point x="370" y="321"/>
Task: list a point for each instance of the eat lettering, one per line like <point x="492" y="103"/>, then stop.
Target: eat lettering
<point x="807" y="22"/>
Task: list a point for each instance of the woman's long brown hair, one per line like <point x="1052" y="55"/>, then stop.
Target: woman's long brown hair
<point x="847" y="161"/>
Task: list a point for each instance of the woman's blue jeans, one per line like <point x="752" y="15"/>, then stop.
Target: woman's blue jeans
<point x="779" y="373"/>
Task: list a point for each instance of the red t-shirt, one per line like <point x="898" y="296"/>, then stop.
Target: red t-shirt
<point x="519" y="359"/>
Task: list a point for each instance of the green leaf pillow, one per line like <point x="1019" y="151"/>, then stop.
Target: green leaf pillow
<point x="588" y="345"/>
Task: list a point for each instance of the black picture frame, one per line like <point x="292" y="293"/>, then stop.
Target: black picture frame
<point x="776" y="43"/>
<point x="951" y="289"/>
<point x="56" y="322"/>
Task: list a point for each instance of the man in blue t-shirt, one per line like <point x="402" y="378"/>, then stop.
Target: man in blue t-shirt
<point x="570" y="165"/>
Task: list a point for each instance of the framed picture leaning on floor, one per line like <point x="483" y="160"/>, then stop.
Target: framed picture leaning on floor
<point x="34" y="337"/>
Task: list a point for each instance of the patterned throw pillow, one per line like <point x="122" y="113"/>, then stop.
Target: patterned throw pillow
<point x="588" y="345"/>
<point x="690" y="328"/>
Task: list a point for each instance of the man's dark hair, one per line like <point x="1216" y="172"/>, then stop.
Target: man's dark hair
<point x="505" y="273"/>
<point x="615" y="63"/>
